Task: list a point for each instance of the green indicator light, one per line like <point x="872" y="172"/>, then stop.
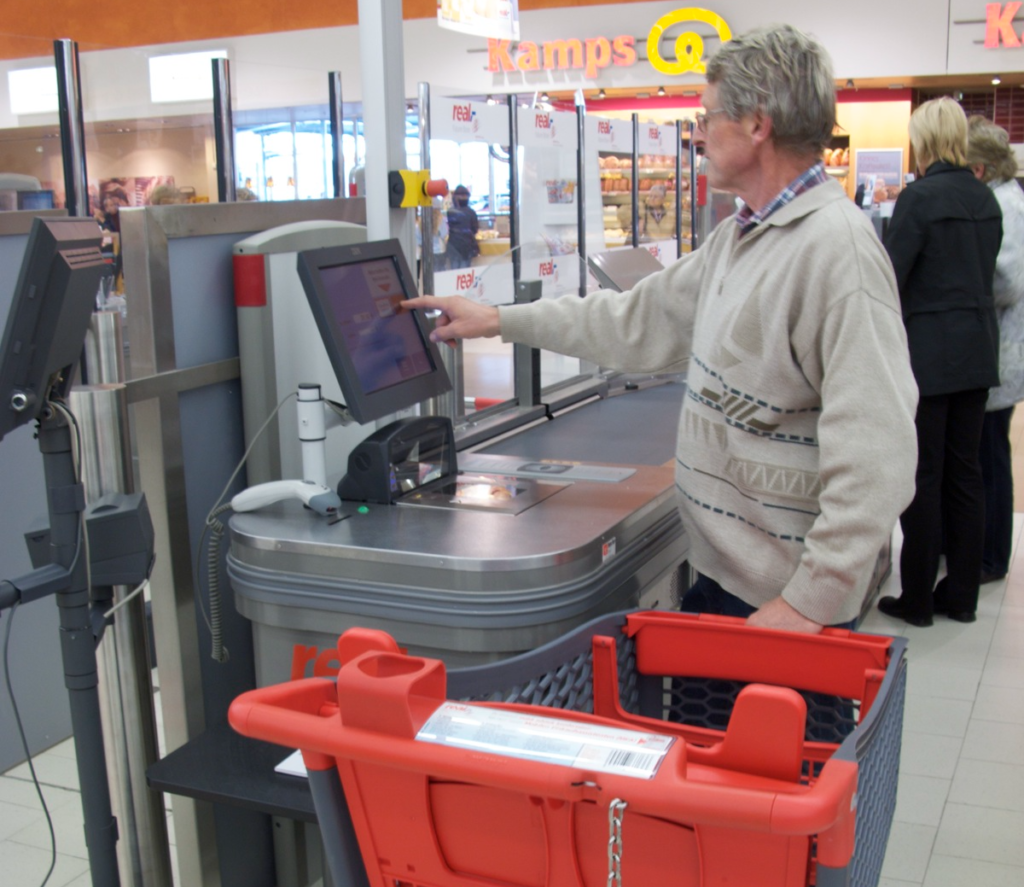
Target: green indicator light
<point x="363" y="509"/>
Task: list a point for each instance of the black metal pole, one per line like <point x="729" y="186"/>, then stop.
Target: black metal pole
<point x="513" y="186"/>
<point x="337" y="111"/>
<point x="223" y="131"/>
<point x="679" y="188"/>
<point x="72" y="127"/>
<point x="581" y="192"/>
<point x="634" y="186"/>
<point x="78" y="648"/>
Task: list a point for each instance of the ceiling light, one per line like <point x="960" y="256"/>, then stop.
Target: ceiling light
<point x="33" y="90"/>
<point x="661" y="90"/>
<point x="996" y="81"/>
<point x="849" y="84"/>
<point x="544" y="97"/>
<point x="491" y="100"/>
<point x="601" y="94"/>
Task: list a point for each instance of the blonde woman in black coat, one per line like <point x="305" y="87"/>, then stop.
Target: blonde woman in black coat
<point x="943" y="241"/>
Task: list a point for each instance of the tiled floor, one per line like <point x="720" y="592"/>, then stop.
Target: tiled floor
<point x="960" y="810"/>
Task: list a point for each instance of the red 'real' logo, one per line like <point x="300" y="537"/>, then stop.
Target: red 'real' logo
<point x="543" y="121"/>
<point x="325" y="662"/>
<point x="604" y="127"/>
<point x="462" y="113"/>
<point x="654" y="133"/>
<point x="547" y="268"/>
<point x="465" y="281"/>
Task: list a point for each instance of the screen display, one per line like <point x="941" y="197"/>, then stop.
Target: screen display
<point x="384" y="343"/>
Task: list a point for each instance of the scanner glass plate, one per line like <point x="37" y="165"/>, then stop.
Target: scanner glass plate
<point x="483" y="492"/>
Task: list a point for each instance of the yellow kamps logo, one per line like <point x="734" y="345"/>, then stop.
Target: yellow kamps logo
<point x="689" y="46"/>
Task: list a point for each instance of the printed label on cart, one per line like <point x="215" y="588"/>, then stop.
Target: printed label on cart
<point x="607" y="550"/>
<point x="549" y="740"/>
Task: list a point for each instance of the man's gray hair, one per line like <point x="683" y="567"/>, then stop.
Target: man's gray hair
<point x="785" y="74"/>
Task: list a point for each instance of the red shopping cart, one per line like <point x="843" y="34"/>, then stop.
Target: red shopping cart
<point x="644" y="748"/>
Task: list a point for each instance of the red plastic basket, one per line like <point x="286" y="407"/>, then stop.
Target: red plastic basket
<point x="760" y="803"/>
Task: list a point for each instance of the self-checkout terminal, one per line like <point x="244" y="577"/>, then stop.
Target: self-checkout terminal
<point x="385" y="362"/>
<point x="470" y="557"/>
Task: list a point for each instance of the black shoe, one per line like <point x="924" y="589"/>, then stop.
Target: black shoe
<point x="961" y="615"/>
<point x="895" y="607"/>
<point x="991" y="577"/>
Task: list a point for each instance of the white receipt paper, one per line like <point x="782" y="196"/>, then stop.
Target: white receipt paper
<point x="551" y="740"/>
<point x="293" y="765"/>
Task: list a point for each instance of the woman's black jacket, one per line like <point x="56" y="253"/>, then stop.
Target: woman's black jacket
<point x="943" y="239"/>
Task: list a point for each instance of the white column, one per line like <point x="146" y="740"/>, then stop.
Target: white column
<point x="382" y="68"/>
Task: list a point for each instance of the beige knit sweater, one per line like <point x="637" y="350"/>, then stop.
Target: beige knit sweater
<point x="796" y="447"/>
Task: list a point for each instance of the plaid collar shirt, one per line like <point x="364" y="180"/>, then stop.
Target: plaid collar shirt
<point x="748" y="219"/>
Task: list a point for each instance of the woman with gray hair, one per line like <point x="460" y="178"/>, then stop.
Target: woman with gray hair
<point x="943" y="240"/>
<point x="992" y="160"/>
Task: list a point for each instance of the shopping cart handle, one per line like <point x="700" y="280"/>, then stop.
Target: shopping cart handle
<point x="829" y="811"/>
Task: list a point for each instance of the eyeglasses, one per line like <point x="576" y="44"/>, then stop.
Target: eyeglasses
<point x="702" y="119"/>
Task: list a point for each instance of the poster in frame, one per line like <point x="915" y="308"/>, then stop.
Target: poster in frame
<point x="881" y="169"/>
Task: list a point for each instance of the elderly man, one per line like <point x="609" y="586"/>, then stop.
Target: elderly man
<point x="796" y="447"/>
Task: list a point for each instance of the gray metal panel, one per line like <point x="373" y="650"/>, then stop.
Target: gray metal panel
<point x="202" y="280"/>
<point x="162" y="318"/>
<point x="36" y="671"/>
<point x="21" y="222"/>
<point x="636" y="427"/>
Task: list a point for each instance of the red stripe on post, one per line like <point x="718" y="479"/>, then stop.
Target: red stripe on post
<point x="250" y="281"/>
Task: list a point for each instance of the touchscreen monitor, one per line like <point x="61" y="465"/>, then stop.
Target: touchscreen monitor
<point x="381" y="354"/>
<point x="49" y="315"/>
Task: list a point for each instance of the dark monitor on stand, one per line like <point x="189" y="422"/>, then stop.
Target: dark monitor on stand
<point x="35" y="200"/>
<point x="49" y="315"/>
<point x="381" y="354"/>
<point x="623" y="269"/>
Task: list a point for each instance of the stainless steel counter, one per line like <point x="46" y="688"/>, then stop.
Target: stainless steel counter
<point x="467" y="586"/>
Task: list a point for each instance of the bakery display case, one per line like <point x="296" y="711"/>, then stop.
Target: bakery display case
<point x="640" y="162"/>
<point x="836" y="157"/>
<point x="616" y="197"/>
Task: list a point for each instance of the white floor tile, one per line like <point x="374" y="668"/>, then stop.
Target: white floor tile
<point x="1002" y="704"/>
<point x="14" y="818"/>
<point x="925" y="754"/>
<point x="1001" y="671"/>
<point x="1008" y="642"/>
<point x="23" y="793"/>
<point x="949" y="871"/>
<point x="943" y="681"/>
<point x="910" y="846"/>
<point x="51" y="769"/>
<point x="67" y="827"/>
<point x="25" y="866"/>
<point x="937" y="716"/>
<point x="1014" y="593"/>
<point x="893" y="882"/>
<point x="951" y="644"/>
<point x="982" y="833"/>
<point x="988" y="784"/>
<point x="993" y="741"/>
<point x="919" y="799"/>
